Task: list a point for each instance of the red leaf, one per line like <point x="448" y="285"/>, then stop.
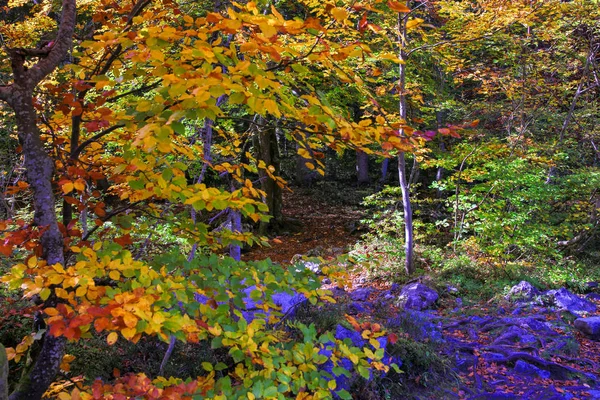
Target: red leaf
<point x="392" y="338"/>
<point x="362" y="24"/>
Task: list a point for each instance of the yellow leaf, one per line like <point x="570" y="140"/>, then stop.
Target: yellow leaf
<point x="32" y="262"/>
<point x="310" y="165"/>
<point x="112" y="338"/>
<point x="130" y="321"/>
<point x="45" y="293"/>
<point x="55" y="279"/>
<point x="128" y="333"/>
<point x="413" y="23"/>
<point x="340" y="14"/>
<point x="67" y="187"/>
<point x="114" y="275"/>
<point x="268" y="30"/>
<point x="272" y="107"/>
<point x="64" y="396"/>
<point x="81" y="291"/>
<point x="304" y="153"/>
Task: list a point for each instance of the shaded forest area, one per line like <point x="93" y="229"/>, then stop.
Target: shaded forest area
<point x="299" y="199"/>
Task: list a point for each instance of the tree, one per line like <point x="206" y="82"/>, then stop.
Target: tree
<point x="116" y="145"/>
<point x="20" y="97"/>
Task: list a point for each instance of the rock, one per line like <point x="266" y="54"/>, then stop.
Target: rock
<point x="355" y="337"/>
<point x="316" y="252"/>
<point x="565" y="300"/>
<point x="361" y="294"/>
<point x="589" y="326"/>
<point x="525" y="368"/>
<point x="522" y="291"/>
<point x="593" y="296"/>
<point x="452" y="289"/>
<point x="416" y="296"/>
<point x="312" y="264"/>
<point x="356" y="308"/>
<point x="288" y="301"/>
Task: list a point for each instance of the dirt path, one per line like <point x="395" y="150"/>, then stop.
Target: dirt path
<point x="324" y="227"/>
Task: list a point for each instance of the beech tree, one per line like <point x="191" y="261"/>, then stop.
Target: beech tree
<point x="19" y="95"/>
<point x="109" y="137"/>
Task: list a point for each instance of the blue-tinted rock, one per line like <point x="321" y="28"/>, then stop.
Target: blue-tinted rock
<point x="567" y="301"/>
<point x="342" y="333"/>
<point x="592" y="296"/>
<point x="525" y="368"/>
<point x="589" y="326"/>
<point x="522" y="291"/>
<point x="361" y="294"/>
<point x="416" y="296"/>
<point x="288" y="301"/>
<point x="355" y="308"/>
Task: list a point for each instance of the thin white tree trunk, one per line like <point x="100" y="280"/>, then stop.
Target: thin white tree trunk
<point x="409" y="245"/>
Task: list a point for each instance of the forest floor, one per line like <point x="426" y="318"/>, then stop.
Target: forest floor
<point x="497" y="349"/>
<point x="325" y="227"/>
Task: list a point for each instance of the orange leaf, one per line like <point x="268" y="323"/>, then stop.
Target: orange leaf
<point x="101" y="323"/>
<point x="398" y="7"/>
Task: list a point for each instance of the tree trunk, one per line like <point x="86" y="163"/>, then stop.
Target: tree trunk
<point x="3" y="374"/>
<point x="362" y="167"/>
<point x="409" y="266"/>
<point x="384" y="171"/>
<point x="39" y="170"/>
<point x="304" y="176"/>
<point x="267" y="150"/>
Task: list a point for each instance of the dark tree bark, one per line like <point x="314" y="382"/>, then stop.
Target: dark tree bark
<point x="3" y="374"/>
<point x="39" y="170"/>
<point x="362" y="168"/>
<point x="304" y="176"/>
<point x="267" y="150"/>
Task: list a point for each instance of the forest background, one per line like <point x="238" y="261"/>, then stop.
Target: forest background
<point x="142" y="141"/>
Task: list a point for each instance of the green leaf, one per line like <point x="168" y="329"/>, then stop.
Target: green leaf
<point x="344" y="395"/>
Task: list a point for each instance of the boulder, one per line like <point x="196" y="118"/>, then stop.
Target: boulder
<point x="416" y="296"/>
<point x="589" y="326"/>
<point x="522" y="291"/>
<point x="361" y="294"/>
<point x="565" y="300"/>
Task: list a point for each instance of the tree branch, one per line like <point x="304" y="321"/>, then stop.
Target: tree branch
<point x="60" y="48"/>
